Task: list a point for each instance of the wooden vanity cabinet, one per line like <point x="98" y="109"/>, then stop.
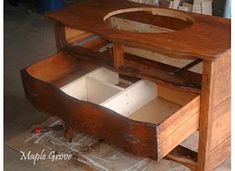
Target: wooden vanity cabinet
<point x="114" y="77"/>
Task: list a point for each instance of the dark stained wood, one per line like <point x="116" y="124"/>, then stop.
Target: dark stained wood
<point x="95" y="57"/>
<point x="141" y="68"/>
<point x="196" y="41"/>
<point x="139" y="138"/>
<point x="160" y="73"/>
<point x="59" y="30"/>
<point x="118" y="55"/>
<point x="184" y="156"/>
<point x="135" y="137"/>
<point x="192" y="36"/>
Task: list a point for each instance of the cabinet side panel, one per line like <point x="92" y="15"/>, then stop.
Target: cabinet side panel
<point x="222" y="79"/>
<point x="214" y="129"/>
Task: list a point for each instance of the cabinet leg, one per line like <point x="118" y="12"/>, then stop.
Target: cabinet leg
<point x="59" y="35"/>
<point x="118" y="55"/>
<point x="69" y="133"/>
<point x="205" y="118"/>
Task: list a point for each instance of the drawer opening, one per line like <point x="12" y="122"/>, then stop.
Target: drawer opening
<point x="142" y="68"/>
<point x="164" y="59"/>
<point x="141" y="101"/>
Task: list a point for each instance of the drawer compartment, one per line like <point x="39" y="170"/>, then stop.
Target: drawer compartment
<point x="95" y="87"/>
<point x="174" y="113"/>
<point x="140" y="117"/>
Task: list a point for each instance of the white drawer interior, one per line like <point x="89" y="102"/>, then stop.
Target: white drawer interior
<point x="95" y="87"/>
<point x="139" y="101"/>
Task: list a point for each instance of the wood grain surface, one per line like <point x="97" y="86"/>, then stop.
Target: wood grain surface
<point x="195" y="40"/>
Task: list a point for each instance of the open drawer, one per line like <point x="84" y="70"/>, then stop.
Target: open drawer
<point x="140" y="117"/>
<point x="174" y="113"/>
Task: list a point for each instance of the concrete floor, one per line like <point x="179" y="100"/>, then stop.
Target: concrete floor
<point x="28" y="38"/>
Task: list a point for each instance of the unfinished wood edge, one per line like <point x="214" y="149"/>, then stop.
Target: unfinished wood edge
<point x="155" y="11"/>
<point x="134" y="26"/>
<point x="183" y="156"/>
<point x="158" y="143"/>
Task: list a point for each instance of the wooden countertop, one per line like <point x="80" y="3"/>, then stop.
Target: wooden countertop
<point x="208" y="37"/>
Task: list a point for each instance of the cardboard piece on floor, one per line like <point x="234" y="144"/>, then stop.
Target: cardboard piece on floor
<point x="88" y="152"/>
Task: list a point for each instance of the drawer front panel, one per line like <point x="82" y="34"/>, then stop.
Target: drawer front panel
<point x="178" y="127"/>
<point x="132" y="136"/>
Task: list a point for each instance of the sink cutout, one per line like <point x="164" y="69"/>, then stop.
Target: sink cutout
<point x="148" y="20"/>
